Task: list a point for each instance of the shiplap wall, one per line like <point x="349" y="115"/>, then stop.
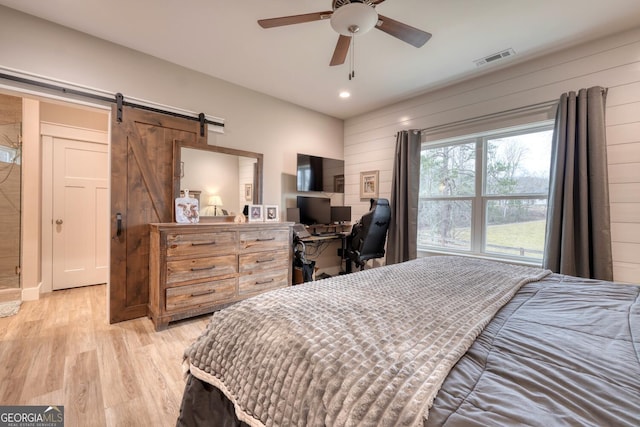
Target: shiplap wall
<point x="623" y="157"/>
<point x="612" y="62"/>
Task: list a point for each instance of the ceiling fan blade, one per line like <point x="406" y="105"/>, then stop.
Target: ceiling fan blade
<point x="340" y="53"/>
<point x="404" y="32"/>
<point x="294" y="19"/>
<point x="377" y="2"/>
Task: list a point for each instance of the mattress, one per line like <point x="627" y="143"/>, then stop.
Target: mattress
<point x="562" y="351"/>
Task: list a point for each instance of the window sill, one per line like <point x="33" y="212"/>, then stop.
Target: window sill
<point x="434" y="252"/>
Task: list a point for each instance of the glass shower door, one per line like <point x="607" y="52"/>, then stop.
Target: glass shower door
<point x="10" y="190"/>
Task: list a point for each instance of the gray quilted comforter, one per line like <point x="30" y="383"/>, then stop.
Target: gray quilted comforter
<point x="369" y="348"/>
<point x="565" y="351"/>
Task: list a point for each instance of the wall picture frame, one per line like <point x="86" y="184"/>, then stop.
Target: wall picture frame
<point x="248" y="192"/>
<point x="369" y="184"/>
<point x="271" y="213"/>
<point x="256" y="213"/>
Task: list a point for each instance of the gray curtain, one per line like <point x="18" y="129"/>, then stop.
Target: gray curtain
<point x="578" y="235"/>
<point x="402" y="238"/>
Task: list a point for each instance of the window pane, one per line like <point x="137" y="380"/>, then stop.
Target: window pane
<point x="519" y="164"/>
<point x="448" y="171"/>
<point x="516" y="227"/>
<point x="445" y="224"/>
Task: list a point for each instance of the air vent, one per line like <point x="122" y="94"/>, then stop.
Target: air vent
<point x="494" y="57"/>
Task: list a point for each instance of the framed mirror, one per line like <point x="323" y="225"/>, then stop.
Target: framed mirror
<point x="224" y="180"/>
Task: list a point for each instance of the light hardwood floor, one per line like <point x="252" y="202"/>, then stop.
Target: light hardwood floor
<point x="60" y="350"/>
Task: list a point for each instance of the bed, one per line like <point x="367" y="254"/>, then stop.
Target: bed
<point x="438" y="341"/>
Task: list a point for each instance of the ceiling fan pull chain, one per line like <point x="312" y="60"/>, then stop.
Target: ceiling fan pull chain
<point x="352" y="55"/>
<point x="351" y="46"/>
<point x="353" y="58"/>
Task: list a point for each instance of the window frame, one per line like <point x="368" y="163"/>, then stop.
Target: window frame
<point x="479" y="200"/>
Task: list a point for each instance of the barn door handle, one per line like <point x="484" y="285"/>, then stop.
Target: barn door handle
<point x="118" y="224"/>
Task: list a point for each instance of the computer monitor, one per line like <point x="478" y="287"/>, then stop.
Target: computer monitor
<point x="314" y="210"/>
<point x="340" y="214"/>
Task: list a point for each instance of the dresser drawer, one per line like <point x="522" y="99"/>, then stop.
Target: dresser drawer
<point x="255" y="284"/>
<point x="254" y="241"/>
<point x="258" y="262"/>
<point x="187" y="244"/>
<point x="200" y="294"/>
<point x="200" y="268"/>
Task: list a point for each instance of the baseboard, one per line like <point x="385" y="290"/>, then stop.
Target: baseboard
<point x="31" y="294"/>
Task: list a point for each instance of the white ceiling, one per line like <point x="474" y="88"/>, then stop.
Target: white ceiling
<point x="222" y="39"/>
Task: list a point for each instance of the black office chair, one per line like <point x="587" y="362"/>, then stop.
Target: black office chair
<point x="368" y="235"/>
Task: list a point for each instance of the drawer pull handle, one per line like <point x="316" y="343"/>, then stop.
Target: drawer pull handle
<point x="266" y="239"/>
<point x="202" y="268"/>
<point x="265" y="260"/>
<point x="201" y="293"/>
<point x="264" y="282"/>
<point x="203" y="243"/>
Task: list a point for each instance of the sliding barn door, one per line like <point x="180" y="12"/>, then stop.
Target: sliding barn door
<point x="142" y="179"/>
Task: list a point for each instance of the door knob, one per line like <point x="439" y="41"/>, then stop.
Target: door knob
<point x="59" y="221"/>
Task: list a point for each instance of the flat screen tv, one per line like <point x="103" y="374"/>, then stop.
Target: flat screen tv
<point x="314" y="210"/>
<point x="316" y="173"/>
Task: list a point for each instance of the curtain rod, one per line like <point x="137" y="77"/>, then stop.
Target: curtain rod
<point x="528" y="108"/>
<point x="116" y="99"/>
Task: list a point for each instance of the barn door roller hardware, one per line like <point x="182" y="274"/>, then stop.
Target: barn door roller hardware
<point x="119" y="102"/>
<point x="201" y="117"/>
<point x="202" y="123"/>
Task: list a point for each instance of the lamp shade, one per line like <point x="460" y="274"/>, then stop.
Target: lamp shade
<point x="354" y="18"/>
<point x="215" y="201"/>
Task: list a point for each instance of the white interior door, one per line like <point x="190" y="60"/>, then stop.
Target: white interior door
<point x="80" y="214"/>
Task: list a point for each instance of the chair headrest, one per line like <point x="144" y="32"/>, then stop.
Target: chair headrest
<point x="378" y="202"/>
<point x="382" y="202"/>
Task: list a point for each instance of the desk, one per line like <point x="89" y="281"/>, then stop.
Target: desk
<point x="327" y="238"/>
<point x="314" y="246"/>
<point x="321" y="230"/>
<point x="323" y="237"/>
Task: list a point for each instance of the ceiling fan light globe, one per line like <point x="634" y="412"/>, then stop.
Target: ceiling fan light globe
<point x="354" y="15"/>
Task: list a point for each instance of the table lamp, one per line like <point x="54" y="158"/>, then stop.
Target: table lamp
<point x="215" y="201"/>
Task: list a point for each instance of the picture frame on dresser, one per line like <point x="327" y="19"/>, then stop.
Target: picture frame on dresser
<point x="256" y="213"/>
<point x="271" y="213"/>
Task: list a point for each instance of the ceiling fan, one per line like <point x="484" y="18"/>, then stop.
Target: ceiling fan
<point x="351" y="17"/>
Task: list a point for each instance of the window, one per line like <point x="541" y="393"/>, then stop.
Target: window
<point x="486" y="194"/>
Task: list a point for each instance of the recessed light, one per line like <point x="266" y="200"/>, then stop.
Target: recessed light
<point x="344" y="94"/>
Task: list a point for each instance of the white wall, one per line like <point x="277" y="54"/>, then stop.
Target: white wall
<point x="254" y="121"/>
<point x="613" y="62"/>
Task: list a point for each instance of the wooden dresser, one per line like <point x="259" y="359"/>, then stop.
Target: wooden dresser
<point x="199" y="268"/>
